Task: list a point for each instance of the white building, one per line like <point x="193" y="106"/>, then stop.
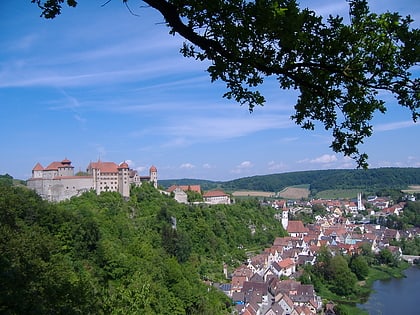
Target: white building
<point x="216" y="197"/>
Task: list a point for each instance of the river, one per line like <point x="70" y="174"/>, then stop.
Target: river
<point x="395" y="296"/>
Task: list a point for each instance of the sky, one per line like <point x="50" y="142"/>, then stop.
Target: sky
<point x="98" y="82"/>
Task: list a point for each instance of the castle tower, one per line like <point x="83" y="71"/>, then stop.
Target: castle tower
<point x="123" y="180"/>
<point x="153" y="175"/>
<point x="285" y="218"/>
<point x="37" y="171"/>
<point x="65" y="169"/>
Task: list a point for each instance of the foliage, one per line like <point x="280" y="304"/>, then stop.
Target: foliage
<point x="409" y="247"/>
<point x="359" y="266"/>
<point x="6" y="180"/>
<point x="338" y="68"/>
<point x="194" y="196"/>
<point x="102" y="254"/>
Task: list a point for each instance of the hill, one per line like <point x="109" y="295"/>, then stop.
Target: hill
<point x="370" y="180"/>
<point x="102" y="254"/>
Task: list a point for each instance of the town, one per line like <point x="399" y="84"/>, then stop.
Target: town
<point x="267" y="283"/>
<point x="257" y="288"/>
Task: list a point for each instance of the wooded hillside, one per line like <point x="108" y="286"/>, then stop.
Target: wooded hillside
<point x="106" y="255"/>
<point x="320" y="180"/>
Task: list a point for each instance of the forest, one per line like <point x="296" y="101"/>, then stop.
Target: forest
<point x="370" y="180"/>
<point x="102" y="254"/>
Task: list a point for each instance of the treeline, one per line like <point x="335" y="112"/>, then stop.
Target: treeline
<point x="371" y="180"/>
<point x="106" y="255"/>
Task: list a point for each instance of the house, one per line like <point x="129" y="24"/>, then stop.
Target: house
<point x="194" y="188"/>
<point x="216" y="197"/>
<point x="297" y="229"/>
<point x="287" y="267"/>
<point x="180" y="195"/>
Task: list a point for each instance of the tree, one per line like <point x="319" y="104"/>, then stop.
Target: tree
<point x="339" y="69"/>
<point x="343" y="280"/>
<point x="359" y="266"/>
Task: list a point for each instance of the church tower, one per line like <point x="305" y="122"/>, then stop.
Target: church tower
<point x="285" y="218"/>
<point x="153" y="175"/>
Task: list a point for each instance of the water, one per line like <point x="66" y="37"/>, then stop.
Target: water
<point x="395" y="296"/>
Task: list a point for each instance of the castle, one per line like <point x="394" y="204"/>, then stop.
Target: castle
<point x="57" y="181"/>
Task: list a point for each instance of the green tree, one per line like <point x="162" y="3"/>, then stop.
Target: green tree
<point x="359" y="267"/>
<point x="343" y="281"/>
<point x="338" y="68"/>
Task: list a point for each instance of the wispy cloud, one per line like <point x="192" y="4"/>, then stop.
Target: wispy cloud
<point x="224" y="127"/>
<point x="395" y="125"/>
<point x="276" y="166"/>
<point x="244" y="166"/>
<point x="187" y="165"/>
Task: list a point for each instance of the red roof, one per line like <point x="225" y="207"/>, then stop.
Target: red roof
<point x="38" y="167"/>
<point x="123" y="165"/>
<point x="214" y="193"/>
<point x="296" y="227"/>
<point x="54" y="166"/>
<point x="104" y="167"/>
<point x="195" y="188"/>
<point x="153" y="169"/>
<point x="286" y="263"/>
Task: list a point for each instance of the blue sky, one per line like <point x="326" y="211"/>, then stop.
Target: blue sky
<point x="98" y="82"/>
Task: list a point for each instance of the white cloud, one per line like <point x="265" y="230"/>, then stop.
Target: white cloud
<point x="187" y="166"/>
<point x="324" y="159"/>
<point x="245" y="165"/>
<point x="242" y="167"/>
<point x="275" y="166"/>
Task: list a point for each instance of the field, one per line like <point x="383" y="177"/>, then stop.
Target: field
<point x="338" y="194"/>
<point x="294" y="193"/>
<point x="252" y="193"/>
<point x="287" y="193"/>
<point x="412" y="190"/>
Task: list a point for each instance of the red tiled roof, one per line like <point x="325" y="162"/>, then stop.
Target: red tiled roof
<point x="195" y="188"/>
<point x="104" y="167"/>
<point x="285" y="263"/>
<point x="123" y="165"/>
<point x="296" y="227"/>
<point x="54" y="166"/>
<point x="153" y="169"/>
<point x="38" y="167"/>
<point x="214" y="193"/>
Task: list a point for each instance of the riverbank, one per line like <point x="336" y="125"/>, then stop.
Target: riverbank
<point x="394" y="296"/>
<point x="351" y="304"/>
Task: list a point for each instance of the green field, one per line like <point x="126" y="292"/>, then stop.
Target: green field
<point x="338" y="193"/>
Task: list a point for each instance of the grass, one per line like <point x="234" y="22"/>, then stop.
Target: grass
<point x="338" y="194"/>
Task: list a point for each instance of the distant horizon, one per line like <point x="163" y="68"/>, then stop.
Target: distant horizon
<point x="146" y="169"/>
<point x="98" y="81"/>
